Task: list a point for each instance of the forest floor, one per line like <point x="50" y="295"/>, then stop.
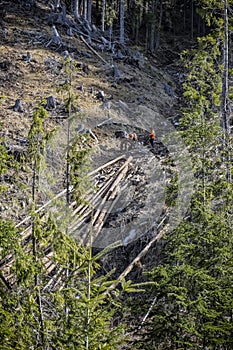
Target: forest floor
<point x="142" y="95"/>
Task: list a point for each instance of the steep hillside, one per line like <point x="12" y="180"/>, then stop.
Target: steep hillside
<point x="132" y="92"/>
<point x="32" y="69"/>
<point x="134" y="191"/>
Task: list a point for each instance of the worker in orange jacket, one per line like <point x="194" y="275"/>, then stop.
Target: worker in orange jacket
<point x="152" y="137"/>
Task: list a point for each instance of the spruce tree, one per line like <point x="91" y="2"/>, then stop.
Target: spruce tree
<point x="191" y="297"/>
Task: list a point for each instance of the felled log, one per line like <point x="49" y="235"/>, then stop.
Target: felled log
<point x="107" y="164"/>
<point x="104" y="216"/>
<point x="144" y="251"/>
<point x="120" y="175"/>
<point x="99" y="199"/>
<point x="87" y="210"/>
<point x="54" y="278"/>
<point x="91" y="48"/>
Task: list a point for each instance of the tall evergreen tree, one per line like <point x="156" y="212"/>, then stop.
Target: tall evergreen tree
<point x="190" y="303"/>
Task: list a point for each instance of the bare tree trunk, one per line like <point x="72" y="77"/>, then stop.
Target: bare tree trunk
<point x="35" y="254"/>
<point x="147" y="35"/>
<point x="122" y="22"/>
<point x="88" y="296"/>
<point x="184" y="16"/>
<point x="225" y="100"/>
<point x="136" y="29"/>
<point x="89" y="7"/>
<point x="103" y="15"/>
<point x="85" y="9"/>
<point x="152" y="32"/>
<point x="76" y="9"/>
<point x="192" y="18"/>
<point x="110" y="33"/>
<point x="159" y="25"/>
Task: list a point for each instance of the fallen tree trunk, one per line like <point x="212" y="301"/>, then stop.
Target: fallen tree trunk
<point x="91" y="48"/>
<point x="104" y="215"/>
<point x="106" y="165"/>
<point x="121" y="173"/>
<point x="143" y="252"/>
<point x="106" y="190"/>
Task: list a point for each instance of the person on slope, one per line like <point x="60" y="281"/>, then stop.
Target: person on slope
<point x="152" y="137"/>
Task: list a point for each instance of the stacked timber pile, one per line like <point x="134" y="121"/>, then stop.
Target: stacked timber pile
<point x="109" y="182"/>
<point x="105" y="207"/>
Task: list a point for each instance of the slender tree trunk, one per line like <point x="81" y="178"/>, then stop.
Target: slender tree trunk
<point x="110" y="32"/>
<point x="152" y="32"/>
<point x="145" y="8"/>
<point x="76" y="9"/>
<point x="198" y="25"/>
<point x="136" y="33"/>
<point x="192" y="18"/>
<point x="89" y="283"/>
<point x="68" y="166"/>
<point x="88" y="297"/>
<point x="89" y="8"/>
<point x="85" y="9"/>
<point x="103" y="15"/>
<point x="159" y="25"/>
<point x="35" y="255"/>
<point x="225" y="101"/>
<point x="147" y="35"/>
<point x="184" y="16"/>
<point x="122" y="22"/>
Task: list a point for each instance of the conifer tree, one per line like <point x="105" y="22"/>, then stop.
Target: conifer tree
<point x="191" y="298"/>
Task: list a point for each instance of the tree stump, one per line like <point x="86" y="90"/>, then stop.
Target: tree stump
<point x="51" y="103"/>
<point x="100" y="95"/>
<point x="55" y="37"/>
<point x="18" y="106"/>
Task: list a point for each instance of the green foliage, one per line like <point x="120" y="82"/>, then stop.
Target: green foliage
<point x="193" y="308"/>
<point x="110" y="14"/>
<point x="172" y="191"/>
<point x="6" y="160"/>
<point x="79" y="308"/>
<point x="70" y="306"/>
<point x="38" y="136"/>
